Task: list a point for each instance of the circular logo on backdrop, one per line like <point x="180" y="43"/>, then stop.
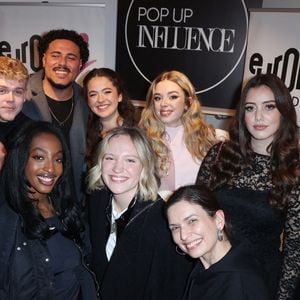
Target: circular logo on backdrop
<point x="203" y="39"/>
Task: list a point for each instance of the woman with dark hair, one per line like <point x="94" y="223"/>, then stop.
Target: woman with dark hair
<point x="42" y="241"/>
<point x="199" y="229"/>
<point x="109" y="103"/>
<point x="256" y="174"/>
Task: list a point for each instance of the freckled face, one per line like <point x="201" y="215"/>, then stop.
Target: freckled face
<point x="193" y="230"/>
<point x="169" y="102"/>
<point x="103" y="98"/>
<point x="44" y="165"/>
<point x="262" y="117"/>
<point x="121" y="167"/>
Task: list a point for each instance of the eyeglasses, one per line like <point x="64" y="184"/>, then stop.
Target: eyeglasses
<point x="17" y="92"/>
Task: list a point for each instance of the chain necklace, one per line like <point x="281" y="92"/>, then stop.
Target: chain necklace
<point x="62" y="123"/>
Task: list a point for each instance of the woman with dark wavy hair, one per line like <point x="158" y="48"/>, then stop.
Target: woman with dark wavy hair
<point x="256" y="174"/>
<point x="42" y="241"/>
<point x="109" y="104"/>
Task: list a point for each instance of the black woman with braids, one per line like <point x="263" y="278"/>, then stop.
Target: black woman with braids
<point x="256" y="175"/>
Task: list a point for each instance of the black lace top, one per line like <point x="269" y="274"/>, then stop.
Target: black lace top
<point x="244" y="200"/>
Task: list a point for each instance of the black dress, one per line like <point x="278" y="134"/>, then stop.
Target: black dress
<point x="244" y="200"/>
<point x="236" y="276"/>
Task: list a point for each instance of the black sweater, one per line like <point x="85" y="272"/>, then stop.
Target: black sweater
<point x="236" y="276"/>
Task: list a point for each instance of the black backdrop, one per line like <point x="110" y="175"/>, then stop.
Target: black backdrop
<point x="203" y="39"/>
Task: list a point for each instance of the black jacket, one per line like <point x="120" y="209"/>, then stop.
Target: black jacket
<point x="25" y="270"/>
<point x="6" y="128"/>
<point x="144" y="264"/>
<point x="236" y="276"/>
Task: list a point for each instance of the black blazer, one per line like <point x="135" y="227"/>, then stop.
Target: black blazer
<point x="144" y="264"/>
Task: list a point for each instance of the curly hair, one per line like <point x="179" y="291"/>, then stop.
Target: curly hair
<point x="284" y="149"/>
<point x="126" y="109"/>
<point x="64" y="34"/>
<point x="149" y="180"/>
<point x="16" y="191"/>
<point x="198" y="135"/>
<point x="13" y="69"/>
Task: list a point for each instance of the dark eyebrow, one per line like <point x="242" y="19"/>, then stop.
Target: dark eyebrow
<point x="264" y="102"/>
<point x="68" y="54"/>
<point x="189" y="216"/>
<point x="37" y="149"/>
<point x="45" y="151"/>
<point x="269" y="101"/>
<point x="185" y="219"/>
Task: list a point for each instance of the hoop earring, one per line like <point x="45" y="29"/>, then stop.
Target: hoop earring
<point x="179" y="251"/>
<point x="220" y="235"/>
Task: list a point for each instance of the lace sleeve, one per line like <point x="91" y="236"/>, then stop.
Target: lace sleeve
<point x="291" y="251"/>
<point x="208" y="161"/>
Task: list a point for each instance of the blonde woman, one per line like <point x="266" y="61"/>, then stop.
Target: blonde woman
<point x="180" y="137"/>
<point x="133" y="254"/>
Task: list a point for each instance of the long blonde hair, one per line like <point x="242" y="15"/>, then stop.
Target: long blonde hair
<point x="198" y="135"/>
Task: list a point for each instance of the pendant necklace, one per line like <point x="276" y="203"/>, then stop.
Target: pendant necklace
<point x="62" y="123"/>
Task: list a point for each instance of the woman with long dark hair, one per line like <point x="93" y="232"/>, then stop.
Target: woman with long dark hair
<point x="43" y="246"/>
<point x="256" y="174"/>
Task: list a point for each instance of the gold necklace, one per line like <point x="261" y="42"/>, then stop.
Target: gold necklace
<point x="62" y="123"/>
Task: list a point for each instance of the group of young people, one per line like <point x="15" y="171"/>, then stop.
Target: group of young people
<point x="96" y="204"/>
